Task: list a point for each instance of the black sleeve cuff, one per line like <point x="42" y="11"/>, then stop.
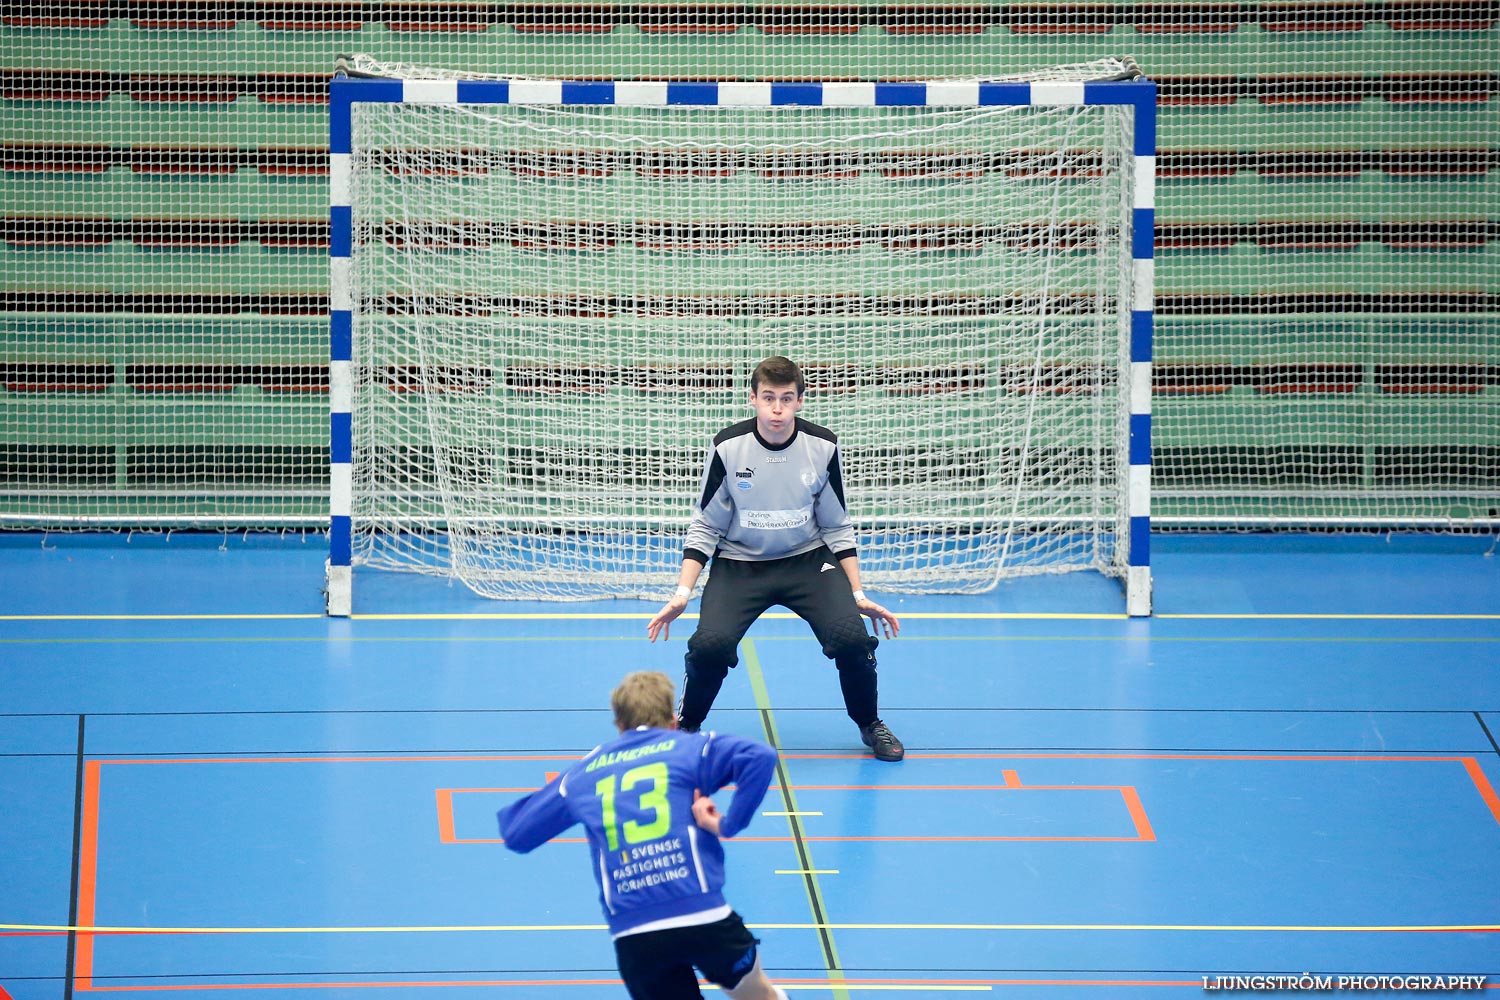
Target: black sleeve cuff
<point x="845" y="554"/>
<point x="695" y="555"/>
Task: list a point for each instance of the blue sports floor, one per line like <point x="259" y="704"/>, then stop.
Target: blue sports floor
<point x="210" y="789"/>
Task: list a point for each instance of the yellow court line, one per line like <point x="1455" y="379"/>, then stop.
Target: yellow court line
<point x="540" y="616"/>
<point x="157" y="618"/>
<point x="491" y="928"/>
<point x="774" y="615"/>
<point x="943" y="616"/>
<point x="1221" y="928"/>
<point x="328" y="639"/>
<point x="782" y="615"/>
<point x="55" y="640"/>
<point x="476" y="616"/>
<point x="872" y="987"/>
<point x="1264" y="616"/>
<point x="889" y="987"/>
<point x="1163" y="640"/>
<point x="852" y="987"/>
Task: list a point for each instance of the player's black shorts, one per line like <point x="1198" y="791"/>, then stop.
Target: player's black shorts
<point x="658" y="965"/>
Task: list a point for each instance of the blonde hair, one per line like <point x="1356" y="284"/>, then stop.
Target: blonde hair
<point x="643" y="698"/>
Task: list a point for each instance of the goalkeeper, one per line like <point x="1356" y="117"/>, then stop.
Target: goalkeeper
<point x="771" y="515"/>
<point x="654" y="835"/>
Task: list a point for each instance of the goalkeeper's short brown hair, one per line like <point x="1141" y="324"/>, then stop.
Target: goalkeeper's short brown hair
<point x="643" y="698"/>
<point x="778" y="370"/>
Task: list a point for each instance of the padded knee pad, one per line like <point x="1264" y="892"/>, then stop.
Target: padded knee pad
<point x="847" y="642"/>
<point x="711" y="653"/>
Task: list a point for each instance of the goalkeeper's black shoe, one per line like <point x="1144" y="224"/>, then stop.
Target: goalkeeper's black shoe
<point x="879" y="738"/>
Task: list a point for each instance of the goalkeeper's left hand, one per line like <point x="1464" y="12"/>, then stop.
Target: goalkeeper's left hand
<point x="880" y="618"/>
<point x="662" y="624"/>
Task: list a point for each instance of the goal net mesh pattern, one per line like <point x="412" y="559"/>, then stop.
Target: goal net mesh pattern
<point x="556" y="307"/>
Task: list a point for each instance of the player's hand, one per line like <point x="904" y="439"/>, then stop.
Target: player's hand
<point x="883" y="620"/>
<point x="662" y="624"/>
<point x="705" y="813"/>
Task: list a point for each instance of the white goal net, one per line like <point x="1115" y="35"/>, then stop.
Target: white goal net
<point x="555" y="307"/>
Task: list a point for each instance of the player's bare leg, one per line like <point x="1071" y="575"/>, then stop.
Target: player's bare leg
<point x="755" y="986"/>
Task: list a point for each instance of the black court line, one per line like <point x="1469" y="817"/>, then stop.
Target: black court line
<point x="809" y="880"/>
<point x="603" y="712"/>
<point x="77" y="856"/>
<point x="960" y="709"/>
<point x="844" y="750"/>
<point x="1084" y="976"/>
<point x="1487" y="734"/>
<point x="931" y="752"/>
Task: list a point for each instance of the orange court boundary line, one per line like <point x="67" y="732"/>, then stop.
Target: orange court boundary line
<point x="88" y="858"/>
<point x="982" y="985"/>
<point x="841" y="983"/>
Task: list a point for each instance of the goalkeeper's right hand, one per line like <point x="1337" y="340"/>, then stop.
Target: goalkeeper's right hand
<point x="662" y="623"/>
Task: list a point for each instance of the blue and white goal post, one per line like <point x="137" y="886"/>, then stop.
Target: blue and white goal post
<point x="1124" y="541"/>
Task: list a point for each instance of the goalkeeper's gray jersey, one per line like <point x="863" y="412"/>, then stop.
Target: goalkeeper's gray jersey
<point x="762" y="501"/>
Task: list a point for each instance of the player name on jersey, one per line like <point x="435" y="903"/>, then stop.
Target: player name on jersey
<point x="634" y="753"/>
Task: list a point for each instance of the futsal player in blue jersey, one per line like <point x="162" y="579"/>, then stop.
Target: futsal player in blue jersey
<point x="654" y="832"/>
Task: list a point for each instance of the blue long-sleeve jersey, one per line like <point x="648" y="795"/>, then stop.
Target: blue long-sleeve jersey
<point x="634" y="796"/>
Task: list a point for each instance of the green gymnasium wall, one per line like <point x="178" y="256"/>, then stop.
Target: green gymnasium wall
<point x="1327" y="346"/>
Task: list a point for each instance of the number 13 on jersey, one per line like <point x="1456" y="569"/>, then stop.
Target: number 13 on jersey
<point x="652" y="800"/>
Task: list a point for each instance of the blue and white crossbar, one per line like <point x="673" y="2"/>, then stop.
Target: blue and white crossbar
<point x="345" y="92"/>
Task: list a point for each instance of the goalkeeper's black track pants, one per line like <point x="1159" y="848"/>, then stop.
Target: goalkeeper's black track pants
<point x="814" y="587"/>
